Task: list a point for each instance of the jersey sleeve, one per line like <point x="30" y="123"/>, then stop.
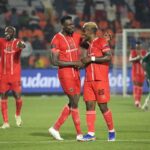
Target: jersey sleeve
<point x="55" y="44"/>
<point x="133" y="54"/>
<point x="104" y="46"/>
<point x="143" y="52"/>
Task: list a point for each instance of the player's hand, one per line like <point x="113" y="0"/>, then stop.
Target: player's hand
<point x="86" y="60"/>
<point x="138" y="58"/>
<point x="21" y="44"/>
<point x="79" y="64"/>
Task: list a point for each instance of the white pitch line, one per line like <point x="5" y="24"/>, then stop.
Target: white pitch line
<point x="69" y="141"/>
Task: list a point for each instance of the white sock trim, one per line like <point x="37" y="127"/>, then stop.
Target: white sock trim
<point x="112" y="130"/>
<point x="91" y="133"/>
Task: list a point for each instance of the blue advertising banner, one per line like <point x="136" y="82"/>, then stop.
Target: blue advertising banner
<point x="46" y="81"/>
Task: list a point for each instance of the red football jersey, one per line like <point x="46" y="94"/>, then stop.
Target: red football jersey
<point x="68" y="48"/>
<point x="10" y="60"/>
<point x="137" y="68"/>
<point x="96" y="71"/>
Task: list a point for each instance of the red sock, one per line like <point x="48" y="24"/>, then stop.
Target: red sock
<point x="63" y="116"/>
<point x="139" y="93"/>
<point x="135" y="92"/>
<point x="90" y="120"/>
<point x="4" y="109"/>
<point x="76" y="119"/>
<point x="109" y="120"/>
<point x="18" y="106"/>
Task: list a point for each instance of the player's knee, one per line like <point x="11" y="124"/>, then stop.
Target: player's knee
<point x="16" y="95"/>
<point x="69" y="104"/>
<point x="74" y="105"/>
<point x="103" y="108"/>
<point x="90" y="106"/>
<point x="73" y="100"/>
<point x="4" y="95"/>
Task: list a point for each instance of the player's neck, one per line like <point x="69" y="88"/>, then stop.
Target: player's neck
<point x="66" y="34"/>
<point x="10" y="39"/>
<point x="93" y="37"/>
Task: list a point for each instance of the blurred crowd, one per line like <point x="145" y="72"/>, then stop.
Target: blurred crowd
<point x="38" y="20"/>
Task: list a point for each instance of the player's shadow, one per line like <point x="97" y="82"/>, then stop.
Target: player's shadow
<point x="68" y="136"/>
<point x="43" y="134"/>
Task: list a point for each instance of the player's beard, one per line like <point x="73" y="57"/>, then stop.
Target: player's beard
<point x="69" y="32"/>
<point x="8" y="37"/>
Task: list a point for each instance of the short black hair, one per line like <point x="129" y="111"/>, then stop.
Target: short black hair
<point x="64" y="18"/>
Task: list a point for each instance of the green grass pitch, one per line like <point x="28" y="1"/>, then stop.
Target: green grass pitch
<point x="40" y="112"/>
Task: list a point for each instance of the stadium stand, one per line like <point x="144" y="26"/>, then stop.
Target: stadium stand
<point x="38" y="20"/>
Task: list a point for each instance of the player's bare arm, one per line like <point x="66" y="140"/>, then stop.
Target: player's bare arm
<point x="134" y="59"/>
<point x="107" y="56"/>
<point x="76" y="64"/>
<point x="56" y="62"/>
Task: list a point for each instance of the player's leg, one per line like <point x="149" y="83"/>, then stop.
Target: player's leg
<point x="19" y="103"/>
<point x="4" y="110"/>
<point x="54" y="130"/>
<point x="74" y="96"/>
<point x="138" y="90"/>
<point x="134" y="92"/>
<point x="90" y="101"/>
<point x="4" y="104"/>
<point x="16" y="90"/>
<point x="107" y="114"/>
<point x="103" y="96"/>
<point x="135" y="79"/>
<point x="138" y="80"/>
<point x="75" y="114"/>
<point x="147" y="100"/>
<point x="66" y="111"/>
<point x="90" y="121"/>
<point x="146" y="104"/>
<point x="62" y="117"/>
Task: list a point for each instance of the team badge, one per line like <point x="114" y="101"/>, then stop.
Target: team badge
<point x="71" y="89"/>
<point x="100" y="91"/>
<point x="8" y="48"/>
